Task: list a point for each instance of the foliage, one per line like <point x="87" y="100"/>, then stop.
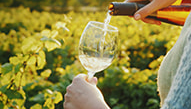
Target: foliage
<point x="39" y="59"/>
<point x="40" y="4"/>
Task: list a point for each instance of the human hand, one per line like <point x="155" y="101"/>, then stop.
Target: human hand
<point x="82" y="94"/>
<point x="150" y="8"/>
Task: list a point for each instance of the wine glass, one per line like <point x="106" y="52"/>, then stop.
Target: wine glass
<point x="97" y="47"/>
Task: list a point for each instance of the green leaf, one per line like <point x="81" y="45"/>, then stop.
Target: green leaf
<point x="49" y="34"/>
<point x="14" y="103"/>
<point x="3" y="88"/>
<point x="17" y="67"/>
<point x="45" y="107"/>
<point x="13" y="94"/>
<point x="36" y="106"/>
<point x="27" y="44"/>
<point x="6" y="68"/>
<point x="60" y="25"/>
<point x="38" y="98"/>
<point x="54" y="33"/>
<point x="50" y="45"/>
<point x="48" y="102"/>
<point x="45" y="33"/>
<point x="31" y="45"/>
<point x="18" y="59"/>
<point x="58" y="97"/>
<point x="56" y="41"/>
<point x="1" y="105"/>
<point x="14" y="60"/>
<point x="44" y="39"/>
<point x="31" y="61"/>
<point x="152" y="101"/>
<point x="46" y="73"/>
<point x="28" y="86"/>
<point x="41" y="60"/>
<point x="113" y="101"/>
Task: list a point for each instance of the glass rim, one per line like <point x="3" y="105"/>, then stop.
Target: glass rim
<point x="114" y="29"/>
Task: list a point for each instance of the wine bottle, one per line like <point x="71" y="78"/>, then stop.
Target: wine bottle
<point x="174" y="14"/>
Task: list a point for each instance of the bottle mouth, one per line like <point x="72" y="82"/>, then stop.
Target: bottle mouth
<point x="111" y="6"/>
<point x="111" y="9"/>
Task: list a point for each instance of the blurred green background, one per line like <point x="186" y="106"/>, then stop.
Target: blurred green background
<point x="59" y="5"/>
<point x="39" y="54"/>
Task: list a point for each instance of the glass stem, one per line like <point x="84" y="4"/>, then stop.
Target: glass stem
<point x="90" y="75"/>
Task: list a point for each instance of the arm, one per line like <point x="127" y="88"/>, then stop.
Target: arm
<point x="179" y="96"/>
<point x="84" y="95"/>
<point x="153" y="6"/>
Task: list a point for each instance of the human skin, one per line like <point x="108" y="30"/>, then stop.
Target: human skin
<point x="83" y="94"/>
<point x="150" y="8"/>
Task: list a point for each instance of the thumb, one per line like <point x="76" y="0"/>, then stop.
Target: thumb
<point x="93" y="81"/>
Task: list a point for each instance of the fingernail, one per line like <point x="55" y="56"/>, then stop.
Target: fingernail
<point x="137" y="16"/>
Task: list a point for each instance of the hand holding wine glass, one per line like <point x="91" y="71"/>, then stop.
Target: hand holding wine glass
<point x="84" y="95"/>
<point x="97" y="47"/>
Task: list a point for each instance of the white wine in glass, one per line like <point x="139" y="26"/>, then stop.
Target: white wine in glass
<point x="97" y="47"/>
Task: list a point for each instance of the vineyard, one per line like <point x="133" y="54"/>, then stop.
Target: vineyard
<point x="39" y="58"/>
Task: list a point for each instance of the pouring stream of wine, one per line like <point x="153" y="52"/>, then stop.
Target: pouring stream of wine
<point x="106" y="23"/>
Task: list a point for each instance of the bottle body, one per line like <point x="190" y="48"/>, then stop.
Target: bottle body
<point x="174" y="14"/>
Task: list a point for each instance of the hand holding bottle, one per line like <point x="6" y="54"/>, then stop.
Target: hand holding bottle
<point x="82" y="94"/>
<point x="153" y="6"/>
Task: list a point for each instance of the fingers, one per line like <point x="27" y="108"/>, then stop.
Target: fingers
<point x="72" y="91"/>
<point x="82" y="78"/>
<point x="145" y="11"/>
<point x="68" y="105"/>
<point x="151" y="8"/>
<point x="151" y="21"/>
<point x="79" y="91"/>
<point x="67" y="98"/>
